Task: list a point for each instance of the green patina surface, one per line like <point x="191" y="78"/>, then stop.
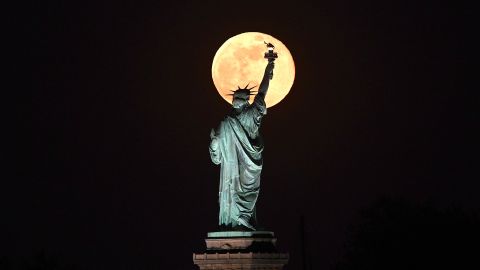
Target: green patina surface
<point x="236" y="145"/>
<point x="239" y="234"/>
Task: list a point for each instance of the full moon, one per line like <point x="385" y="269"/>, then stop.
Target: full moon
<point x="239" y="61"/>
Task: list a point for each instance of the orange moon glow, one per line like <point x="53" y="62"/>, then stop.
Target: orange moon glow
<point x="240" y="61"/>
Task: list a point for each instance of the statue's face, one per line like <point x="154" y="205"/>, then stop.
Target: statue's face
<point x="239" y="103"/>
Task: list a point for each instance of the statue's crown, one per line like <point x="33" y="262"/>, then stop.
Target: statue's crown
<point x="243" y="93"/>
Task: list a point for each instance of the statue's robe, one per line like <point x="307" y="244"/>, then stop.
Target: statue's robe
<point x="238" y="148"/>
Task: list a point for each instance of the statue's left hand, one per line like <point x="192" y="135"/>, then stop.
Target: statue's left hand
<point x="212" y="134"/>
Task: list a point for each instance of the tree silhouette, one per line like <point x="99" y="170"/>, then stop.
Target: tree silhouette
<point x="395" y="234"/>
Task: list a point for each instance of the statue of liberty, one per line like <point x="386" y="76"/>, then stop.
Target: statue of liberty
<point x="237" y="146"/>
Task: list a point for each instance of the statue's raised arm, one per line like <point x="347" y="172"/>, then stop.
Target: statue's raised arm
<point x="263" y="88"/>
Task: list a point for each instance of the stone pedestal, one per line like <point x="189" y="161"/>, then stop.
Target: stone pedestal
<point x="240" y="250"/>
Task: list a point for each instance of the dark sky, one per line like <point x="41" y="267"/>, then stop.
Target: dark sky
<point x="123" y="103"/>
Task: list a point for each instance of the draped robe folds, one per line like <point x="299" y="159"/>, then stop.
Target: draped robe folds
<point x="238" y="148"/>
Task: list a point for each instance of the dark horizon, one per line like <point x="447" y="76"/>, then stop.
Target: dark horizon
<point x="123" y="103"/>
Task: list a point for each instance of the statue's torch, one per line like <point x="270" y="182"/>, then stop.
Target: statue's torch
<point x="270" y="55"/>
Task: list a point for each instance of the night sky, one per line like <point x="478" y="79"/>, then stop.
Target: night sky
<point x="123" y="103"/>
